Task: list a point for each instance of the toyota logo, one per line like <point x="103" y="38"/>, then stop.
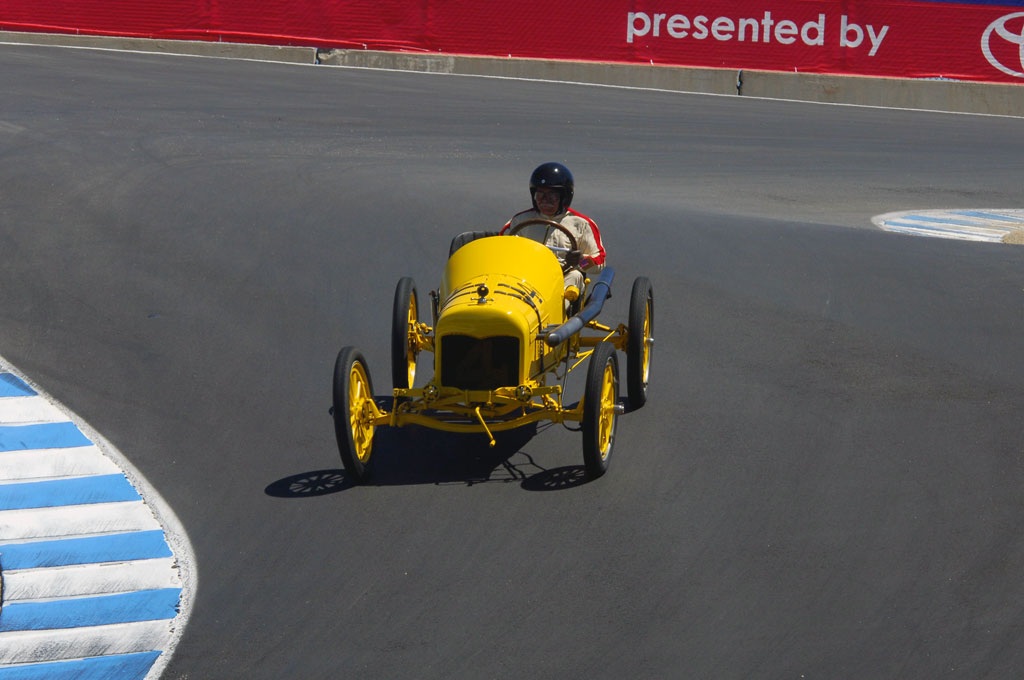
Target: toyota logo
<point x="1012" y="54"/>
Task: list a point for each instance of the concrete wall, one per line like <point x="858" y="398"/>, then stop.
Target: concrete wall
<point x="937" y="95"/>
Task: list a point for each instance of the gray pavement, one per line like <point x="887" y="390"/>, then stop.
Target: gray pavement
<point x="825" y="481"/>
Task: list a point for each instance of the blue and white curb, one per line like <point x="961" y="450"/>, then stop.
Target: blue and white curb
<point x="966" y="225"/>
<point x="97" y="578"/>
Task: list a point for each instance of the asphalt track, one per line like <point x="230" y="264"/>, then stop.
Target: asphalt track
<point x="826" y="481"/>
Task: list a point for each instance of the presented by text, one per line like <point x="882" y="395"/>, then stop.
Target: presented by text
<point x="759" y="30"/>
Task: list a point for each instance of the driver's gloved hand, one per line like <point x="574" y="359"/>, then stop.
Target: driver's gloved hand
<point x="572" y="258"/>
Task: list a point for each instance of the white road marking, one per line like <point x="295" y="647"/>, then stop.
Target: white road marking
<point x="18" y="526"/>
<point x="86" y="579"/>
<point x="61" y="644"/>
<point x="35" y="409"/>
<point x="38" y="464"/>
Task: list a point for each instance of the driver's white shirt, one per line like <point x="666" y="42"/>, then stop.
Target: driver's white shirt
<point x="588" y="237"/>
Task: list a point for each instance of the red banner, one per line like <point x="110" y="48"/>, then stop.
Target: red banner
<point x="897" y="39"/>
<point x="871" y="37"/>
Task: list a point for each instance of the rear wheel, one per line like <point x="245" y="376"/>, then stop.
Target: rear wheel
<point x="600" y="409"/>
<point x="354" y="410"/>
<point x="640" y="342"/>
<point x="404" y="348"/>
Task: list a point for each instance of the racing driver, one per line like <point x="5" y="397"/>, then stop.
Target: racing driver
<point x="551" y="191"/>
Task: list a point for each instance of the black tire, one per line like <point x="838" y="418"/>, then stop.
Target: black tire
<point x="353" y="392"/>
<point x="404" y="317"/>
<point x="640" y="344"/>
<point x="600" y="409"/>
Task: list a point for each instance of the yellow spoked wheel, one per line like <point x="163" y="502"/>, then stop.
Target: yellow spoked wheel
<point x="640" y="343"/>
<point x="354" y="412"/>
<point x="600" y="409"/>
<point x="404" y="345"/>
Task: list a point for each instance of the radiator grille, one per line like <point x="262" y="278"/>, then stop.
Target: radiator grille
<point x="479" y="363"/>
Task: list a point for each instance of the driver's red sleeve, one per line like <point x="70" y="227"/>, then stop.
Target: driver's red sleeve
<point x="599" y="258"/>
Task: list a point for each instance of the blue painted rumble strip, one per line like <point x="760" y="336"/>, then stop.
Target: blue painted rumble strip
<point x="956" y="221"/>
<point x="42" y="436"/>
<point x="921" y="226"/>
<point x="135" y="545"/>
<point x="114" y="667"/>
<point x="142" y="605"/>
<point x="13" y="386"/>
<point x="60" y="492"/>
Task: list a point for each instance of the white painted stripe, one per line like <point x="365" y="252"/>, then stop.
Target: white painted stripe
<point x="966" y="226"/>
<point x="18" y="526"/>
<point x="77" y="643"/>
<point x="19" y="410"/>
<point x="40" y="464"/>
<point x="88" y="579"/>
<point x="10" y="128"/>
<point x="962" y="233"/>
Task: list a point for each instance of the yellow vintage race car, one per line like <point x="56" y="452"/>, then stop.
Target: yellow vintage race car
<point x="505" y="333"/>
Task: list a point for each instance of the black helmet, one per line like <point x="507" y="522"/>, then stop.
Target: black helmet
<point x="553" y="175"/>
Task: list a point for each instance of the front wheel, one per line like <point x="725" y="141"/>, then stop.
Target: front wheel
<point x="404" y="347"/>
<point x="354" y="411"/>
<point x="640" y="342"/>
<point x="600" y="409"/>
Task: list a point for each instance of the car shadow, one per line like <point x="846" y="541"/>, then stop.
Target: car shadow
<point x="419" y="455"/>
<point x="310" y="484"/>
<point x="415" y="455"/>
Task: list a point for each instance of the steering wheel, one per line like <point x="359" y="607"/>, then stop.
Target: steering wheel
<point x="573" y="243"/>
